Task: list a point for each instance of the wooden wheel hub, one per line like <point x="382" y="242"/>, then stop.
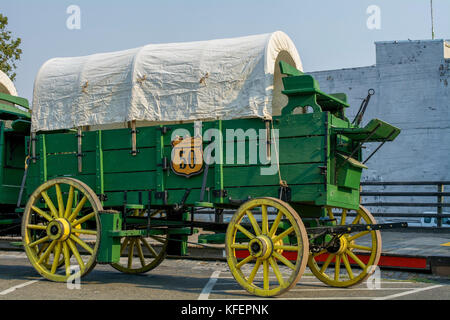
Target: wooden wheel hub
<point x="339" y="247"/>
<point x="58" y="229"/>
<point x="261" y="247"/>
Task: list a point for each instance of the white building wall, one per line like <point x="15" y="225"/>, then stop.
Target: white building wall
<point x="411" y="80"/>
<point x="412" y="91"/>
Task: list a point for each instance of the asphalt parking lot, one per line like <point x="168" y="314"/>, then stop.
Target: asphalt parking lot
<point x="183" y="279"/>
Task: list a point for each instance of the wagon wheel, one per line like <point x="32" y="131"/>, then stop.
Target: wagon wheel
<point x="263" y="240"/>
<point x="143" y="249"/>
<point x="56" y="232"/>
<point x="344" y="253"/>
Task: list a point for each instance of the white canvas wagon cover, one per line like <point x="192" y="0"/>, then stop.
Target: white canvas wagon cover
<point x="216" y="79"/>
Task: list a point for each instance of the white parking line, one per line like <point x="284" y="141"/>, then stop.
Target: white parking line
<point x="392" y="296"/>
<point x="209" y="286"/>
<point x="327" y="289"/>
<point x="226" y="280"/>
<point x="5" y="292"/>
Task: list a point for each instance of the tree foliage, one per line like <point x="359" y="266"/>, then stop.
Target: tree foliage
<point x="9" y="49"/>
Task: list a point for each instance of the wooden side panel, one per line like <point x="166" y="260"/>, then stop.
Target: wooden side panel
<point x="303" y="149"/>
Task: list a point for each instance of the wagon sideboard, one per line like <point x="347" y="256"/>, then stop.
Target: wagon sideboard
<point x="307" y="159"/>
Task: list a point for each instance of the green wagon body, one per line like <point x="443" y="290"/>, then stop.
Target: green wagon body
<point x="129" y="171"/>
<point x="313" y="150"/>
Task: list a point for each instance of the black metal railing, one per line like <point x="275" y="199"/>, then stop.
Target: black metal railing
<point x="436" y="198"/>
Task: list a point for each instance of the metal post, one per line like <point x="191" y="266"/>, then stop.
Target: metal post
<point x="80" y="151"/>
<point x="440" y="200"/>
<point x="33" y="146"/>
<point x="432" y="20"/>
<point x="133" y="138"/>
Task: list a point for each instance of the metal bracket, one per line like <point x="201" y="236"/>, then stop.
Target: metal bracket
<point x="102" y="197"/>
<point x="164" y="164"/>
<point x="220" y="193"/>
<point x="164" y="129"/>
<point x="284" y="193"/>
<point x="180" y="205"/>
<point x="162" y="195"/>
<point x="323" y="170"/>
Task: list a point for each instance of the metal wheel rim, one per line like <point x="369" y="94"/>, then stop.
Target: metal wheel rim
<point x="62" y="211"/>
<point x="368" y="270"/>
<point x="271" y="263"/>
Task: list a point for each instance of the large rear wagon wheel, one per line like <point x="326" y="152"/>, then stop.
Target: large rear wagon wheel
<point x="61" y="220"/>
<point x="333" y="266"/>
<point x="266" y="271"/>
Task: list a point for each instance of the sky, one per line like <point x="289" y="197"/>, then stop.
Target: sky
<point x="328" y="34"/>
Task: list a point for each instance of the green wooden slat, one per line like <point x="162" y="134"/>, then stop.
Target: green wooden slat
<point x="42" y="158"/>
<point x="293" y="174"/>
<point x="383" y="130"/>
<point x="99" y="186"/>
<point x="123" y="161"/>
<point x="15" y="100"/>
<point x="67" y="142"/>
<point x="67" y="164"/>
<point x="287" y="69"/>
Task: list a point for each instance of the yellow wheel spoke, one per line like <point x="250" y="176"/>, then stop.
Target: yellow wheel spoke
<point x="130" y="253"/>
<point x="283" y="260"/>
<point x="356" y="220"/>
<point x="275" y="223"/>
<point x="77" y="209"/>
<point x="343" y="216"/>
<point x="266" y="274"/>
<point x="246" y="260"/>
<point x="147" y="245"/>
<point x="327" y="263"/>
<point x="35" y="243"/>
<point x="244" y="231"/>
<point x="358" y="235"/>
<point x="42" y="213"/>
<point x="82" y="244"/>
<point x="36" y="227"/>
<point x="283" y="234"/>
<point x="44" y="246"/>
<point x="239" y="246"/>
<point x="356" y="246"/>
<point x="84" y="219"/>
<point x="50" y="204"/>
<point x="253" y="222"/>
<point x="124" y="245"/>
<point x="320" y="253"/>
<point x="60" y="201"/>
<point x="140" y="253"/>
<point x="252" y="275"/>
<point x="265" y="220"/>
<point x="84" y="231"/>
<point x="47" y="252"/>
<point x="347" y="266"/>
<point x="158" y="239"/>
<point x="66" y="254"/>
<point x="56" y="257"/>
<point x="276" y="270"/>
<point x="330" y="213"/>
<point x="337" y="268"/>
<point x="69" y="204"/>
<point x="354" y="257"/>
<point x="75" y="252"/>
<point x="287" y="248"/>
